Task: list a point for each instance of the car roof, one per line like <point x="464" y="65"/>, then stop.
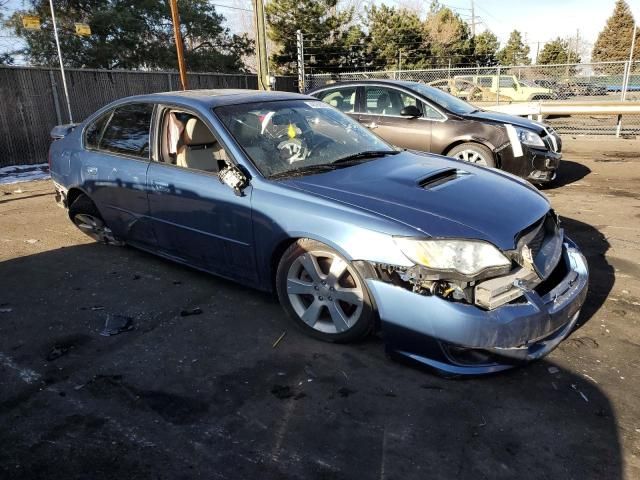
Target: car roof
<point x="216" y="97"/>
<point x="381" y="81"/>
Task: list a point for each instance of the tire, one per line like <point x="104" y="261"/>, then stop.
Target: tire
<point x="84" y="214"/>
<point x="323" y="293"/>
<point x="473" y="153"/>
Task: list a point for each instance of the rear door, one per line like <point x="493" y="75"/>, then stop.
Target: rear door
<point x="381" y="113"/>
<point x="114" y="169"/>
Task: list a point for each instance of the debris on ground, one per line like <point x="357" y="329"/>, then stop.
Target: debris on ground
<point x="282" y="391"/>
<point x="115" y="324"/>
<point x="553" y="370"/>
<point x="275" y="344"/>
<point x="6" y="310"/>
<point x="345" y="392"/>
<point x="575" y="388"/>
<point x="31" y="241"/>
<point x="309" y="371"/>
<point x="189" y="312"/>
<point x="56" y="351"/>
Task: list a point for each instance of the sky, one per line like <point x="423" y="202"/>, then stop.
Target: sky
<point x="538" y="20"/>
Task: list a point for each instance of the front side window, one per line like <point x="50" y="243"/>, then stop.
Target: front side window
<point x="297" y="136"/>
<point x="388" y="101"/>
<point x="344" y="99"/>
<point x="507" y="82"/>
<point x="128" y="131"/>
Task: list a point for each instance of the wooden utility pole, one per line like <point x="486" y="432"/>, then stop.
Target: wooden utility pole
<point x="175" y="18"/>
<point x="473" y="19"/>
<point x="261" y="46"/>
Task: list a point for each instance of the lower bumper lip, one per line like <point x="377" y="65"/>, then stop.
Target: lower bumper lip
<point x="421" y="327"/>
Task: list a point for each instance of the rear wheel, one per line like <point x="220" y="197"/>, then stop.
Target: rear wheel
<point x="473" y="153"/>
<point x="323" y="293"/>
<point x="87" y="218"/>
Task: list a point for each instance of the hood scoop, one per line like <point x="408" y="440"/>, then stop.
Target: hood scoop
<point x="440" y="177"/>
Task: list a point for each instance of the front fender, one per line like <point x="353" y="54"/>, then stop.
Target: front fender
<point x="281" y="213"/>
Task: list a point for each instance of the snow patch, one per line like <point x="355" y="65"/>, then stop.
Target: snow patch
<point x="24" y="173"/>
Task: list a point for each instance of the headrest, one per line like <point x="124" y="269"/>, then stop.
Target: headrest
<point x="247" y="129"/>
<point x="383" y="100"/>
<point x="197" y="133"/>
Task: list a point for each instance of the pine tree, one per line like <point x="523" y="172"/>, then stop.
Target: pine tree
<point x="614" y="42"/>
<point x="322" y="25"/>
<point x="515" y="52"/>
<point x="556" y="52"/>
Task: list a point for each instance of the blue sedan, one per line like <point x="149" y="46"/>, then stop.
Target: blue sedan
<point x="462" y="269"/>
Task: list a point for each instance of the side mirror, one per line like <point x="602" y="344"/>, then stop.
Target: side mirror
<point x="411" y="111"/>
<point x="233" y="177"/>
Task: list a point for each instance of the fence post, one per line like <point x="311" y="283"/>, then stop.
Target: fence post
<point x="300" y="48"/>
<point x="625" y="81"/>
<point x="169" y="82"/>
<point x="498" y="88"/>
<point x="56" y="102"/>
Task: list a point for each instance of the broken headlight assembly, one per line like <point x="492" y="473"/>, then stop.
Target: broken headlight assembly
<point x="455" y="259"/>
<point x="448" y="268"/>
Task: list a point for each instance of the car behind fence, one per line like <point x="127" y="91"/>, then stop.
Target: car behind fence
<point x="488" y="86"/>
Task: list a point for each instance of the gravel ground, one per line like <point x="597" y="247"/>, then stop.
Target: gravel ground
<point x="209" y="396"/>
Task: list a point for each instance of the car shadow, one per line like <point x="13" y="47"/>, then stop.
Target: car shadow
<point x="594" y="246"/>
<point x="568" y="172"/>
<point x="216" y="392"/>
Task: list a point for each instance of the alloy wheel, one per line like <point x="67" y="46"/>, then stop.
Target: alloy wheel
<point x="472" y="156"/>
<point x="325" y="292"/>
<point x="94" y="227"/>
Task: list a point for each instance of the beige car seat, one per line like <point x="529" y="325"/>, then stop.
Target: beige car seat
<point x="200" y="149"/>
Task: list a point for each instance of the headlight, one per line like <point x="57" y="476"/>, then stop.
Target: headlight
<point x="466" y="257"/>
<point x="529" y="138"/>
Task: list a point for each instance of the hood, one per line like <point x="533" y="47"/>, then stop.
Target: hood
<point x="437" y="196"/>
<point x="482" y="115"/>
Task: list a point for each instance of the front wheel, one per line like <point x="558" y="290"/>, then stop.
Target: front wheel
<point x="473" y="153"/>
<point x="323" y="293"/>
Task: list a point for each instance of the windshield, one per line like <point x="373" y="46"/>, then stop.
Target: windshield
<point x="441" y="98"/>
<point x="292" y="136"/>
<point x="528" y="83"/>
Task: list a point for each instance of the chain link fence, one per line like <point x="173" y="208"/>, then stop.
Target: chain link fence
<point x="570" y="83"/>
<point x="33" y="102"/>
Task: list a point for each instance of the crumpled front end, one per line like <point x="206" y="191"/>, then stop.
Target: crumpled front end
<point x="537" y="164"/>
<point x="461" y="338"/>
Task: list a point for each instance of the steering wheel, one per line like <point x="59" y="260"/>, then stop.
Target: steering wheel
<point x="290" y="142"/>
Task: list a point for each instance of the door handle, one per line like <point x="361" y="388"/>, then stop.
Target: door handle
<point x="92" y="170"/>
<point x="160" y="186"/>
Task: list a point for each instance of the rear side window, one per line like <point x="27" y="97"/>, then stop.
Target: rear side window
<point x="343" y="99"/>
<point x="93" y="133"/>
<point x="128" y="131"/>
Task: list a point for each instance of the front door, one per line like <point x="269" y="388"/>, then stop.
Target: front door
<point x="381" y="113"/>
<point x="197" y="219"/>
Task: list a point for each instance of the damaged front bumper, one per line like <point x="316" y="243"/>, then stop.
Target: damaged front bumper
<point x="536" y="164"/>
<point x="463" y="339"/>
